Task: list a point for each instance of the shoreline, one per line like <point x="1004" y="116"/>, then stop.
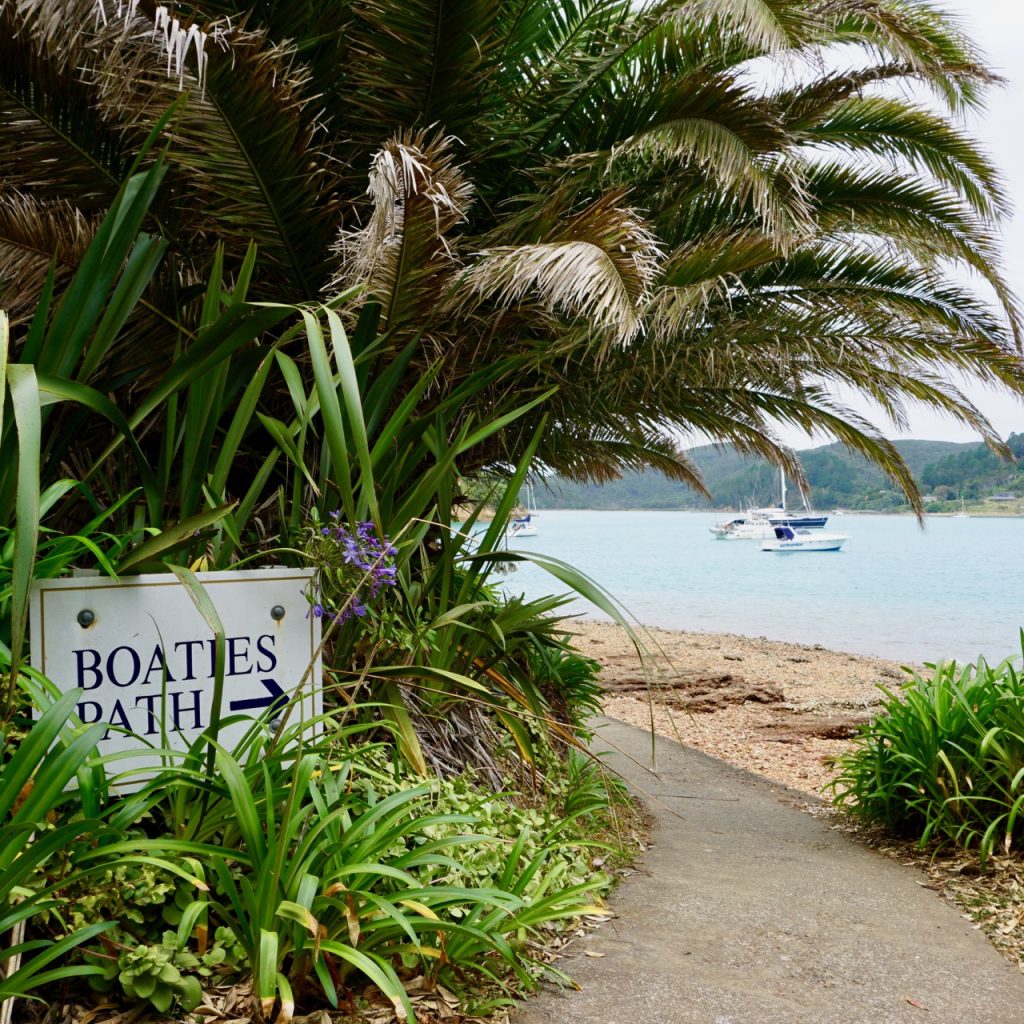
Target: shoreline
<point x="907" y="514"/>
<point x="790" y="741"/>
<point x="778" y="709"/>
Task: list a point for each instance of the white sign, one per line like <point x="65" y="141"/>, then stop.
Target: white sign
<point x="143" y="657"/>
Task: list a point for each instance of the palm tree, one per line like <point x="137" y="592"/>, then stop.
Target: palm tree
<point x="672" y="218"/>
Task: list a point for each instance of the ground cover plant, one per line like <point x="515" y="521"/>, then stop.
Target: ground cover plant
<point x="944" y="759"/>
<point x="309" y="876"/>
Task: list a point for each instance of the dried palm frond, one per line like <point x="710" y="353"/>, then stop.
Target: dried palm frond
<point x="404" y="256"/>
<point x="598" y="267"/>
<point x="33" y="238"/>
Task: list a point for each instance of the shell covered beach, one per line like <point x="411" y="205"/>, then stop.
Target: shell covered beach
<point x="778" y="709"/>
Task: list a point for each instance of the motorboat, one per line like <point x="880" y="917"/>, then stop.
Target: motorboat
<point x="788" y="540"/>
<point x="760" y="523"/>
<point x="749" y="527"/>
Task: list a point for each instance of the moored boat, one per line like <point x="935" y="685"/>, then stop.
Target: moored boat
<point x="760" y="523"/>
<point x="525" y="525"/>
<point x="789" y="540"/>
<point x="743" y="528"/>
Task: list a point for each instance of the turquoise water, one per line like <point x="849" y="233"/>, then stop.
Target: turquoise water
<point x="955" y="589"/>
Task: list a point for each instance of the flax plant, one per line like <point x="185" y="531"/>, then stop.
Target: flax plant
<point x="170" y="483"/>
<point x="944" y="759"/>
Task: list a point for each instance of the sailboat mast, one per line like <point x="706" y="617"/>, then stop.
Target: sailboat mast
<point x="782" y="483"/>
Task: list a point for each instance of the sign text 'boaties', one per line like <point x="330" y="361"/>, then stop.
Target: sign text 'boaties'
<point x="144" y="659"/>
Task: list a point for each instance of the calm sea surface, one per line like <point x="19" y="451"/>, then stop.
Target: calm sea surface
<point x="954" y="589"/>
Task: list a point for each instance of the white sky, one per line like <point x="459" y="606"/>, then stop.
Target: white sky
<point x="998" y="27"/>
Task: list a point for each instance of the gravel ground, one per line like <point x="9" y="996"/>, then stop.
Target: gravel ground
<point x="780" y="709"/>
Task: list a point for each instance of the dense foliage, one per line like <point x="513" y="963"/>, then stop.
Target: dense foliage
<point x="944" y="758"/>
<point x="312" y="874"/>
<point x="650" y="218"/>
<point x="288" y="862"/>
<point x="974" y="472"/>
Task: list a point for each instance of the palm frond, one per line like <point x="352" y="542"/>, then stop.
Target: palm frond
<point x="246" y="144"/>
<point x="33" y="237"/>
<point x="916" y="137"/>
<point x="922" y="36"/>
<point x="755" y="26"/>
<point x="723" y="135"/>
<point x="415" y="63"/>
<point x="599" y="267"/>
<point x="58" y="145"/>
<point x="401" y="257"/>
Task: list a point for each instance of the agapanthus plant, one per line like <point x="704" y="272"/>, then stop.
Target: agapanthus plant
<point x="353" y="566"/>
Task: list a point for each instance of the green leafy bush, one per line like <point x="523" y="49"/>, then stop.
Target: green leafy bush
<point x="328" y="870"/>
<point x="32" y="835"/>
<point x="161" y="974"/>
<point x="305" y="876"/>
<point x="944" y="759"/>
<point x="497" y="822"/>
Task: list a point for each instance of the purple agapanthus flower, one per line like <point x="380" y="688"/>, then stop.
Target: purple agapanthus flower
<point x="361" y="568"/>
<point x="351" y="550"/>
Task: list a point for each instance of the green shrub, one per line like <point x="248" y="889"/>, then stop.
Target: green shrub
<point x="325" y="871"/>
<point x="33" y="833"/>
<point x="944" y="759"/>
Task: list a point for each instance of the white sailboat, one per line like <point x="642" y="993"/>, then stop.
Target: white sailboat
<point x="760" y="523"/>
<point x="524" y="526"/>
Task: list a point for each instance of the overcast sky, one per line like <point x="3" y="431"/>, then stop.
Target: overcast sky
<point x="998" y="27"/>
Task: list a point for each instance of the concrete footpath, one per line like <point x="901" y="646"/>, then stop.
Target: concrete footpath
<point x="751" y="911"/>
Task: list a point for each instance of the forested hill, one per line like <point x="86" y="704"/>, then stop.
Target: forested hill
<point x="838" y="478"/>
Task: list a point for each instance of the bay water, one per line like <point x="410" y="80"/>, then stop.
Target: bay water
<point x="952" y="590"/>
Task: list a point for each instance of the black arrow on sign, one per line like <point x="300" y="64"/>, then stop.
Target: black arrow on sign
<point x="276" y="699"/>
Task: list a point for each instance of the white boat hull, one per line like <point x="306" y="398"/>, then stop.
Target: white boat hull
<point x="800" y="542"/>
<point x="743" y="531"/>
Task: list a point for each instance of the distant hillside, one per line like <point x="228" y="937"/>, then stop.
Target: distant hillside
<point x="838" y="479"/>
<point x="976" y="473"/>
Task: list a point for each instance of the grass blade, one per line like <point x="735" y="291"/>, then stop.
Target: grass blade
<point x="27" y="417"/>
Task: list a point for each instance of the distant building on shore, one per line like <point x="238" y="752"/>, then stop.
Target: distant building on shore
<point x="1002" y="497"/>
